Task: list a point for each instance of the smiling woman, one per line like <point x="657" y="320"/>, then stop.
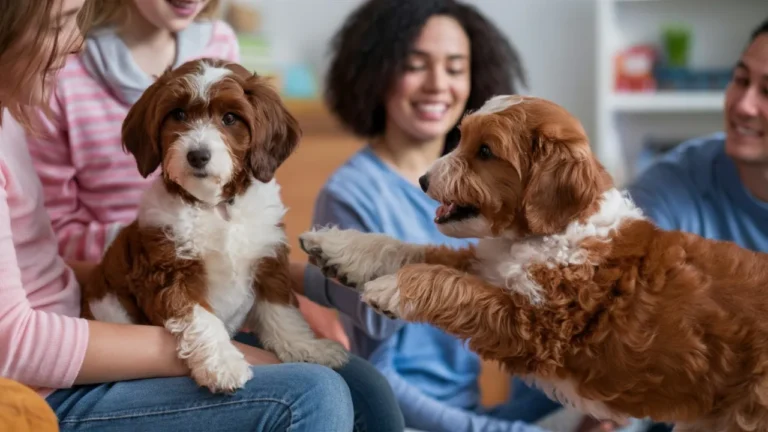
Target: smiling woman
<point x="402" y="74"/>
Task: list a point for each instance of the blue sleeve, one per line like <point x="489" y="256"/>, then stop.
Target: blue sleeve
<point x="422" y="412"/>
<point x="330" y="210"/>
<point x="666" y="195"/>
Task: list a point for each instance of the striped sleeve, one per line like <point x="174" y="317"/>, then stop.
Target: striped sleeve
<point x="225" y="41"/>
<point x="80" y="234"/>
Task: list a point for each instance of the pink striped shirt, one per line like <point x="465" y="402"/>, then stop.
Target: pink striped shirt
<point x="92" y="187"/>
<point x="42" y="342"/>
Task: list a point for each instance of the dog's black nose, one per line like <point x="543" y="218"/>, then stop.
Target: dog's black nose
<point x="424" y="182"/>
<point x="199" y="158"/>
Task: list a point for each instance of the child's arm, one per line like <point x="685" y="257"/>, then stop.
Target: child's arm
<point x="81" y="235"/>
<point x="46" y="349"/>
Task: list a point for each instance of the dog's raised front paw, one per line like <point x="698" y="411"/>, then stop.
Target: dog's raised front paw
<point x="354" y="257"/>
<point x="229" y="372"/>
<point x="321" y="351"/>
<point x="383" y="295"/>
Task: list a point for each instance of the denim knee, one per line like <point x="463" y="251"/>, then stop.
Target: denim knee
<point x="325" y="398"/>
<point x="376" y="407"/>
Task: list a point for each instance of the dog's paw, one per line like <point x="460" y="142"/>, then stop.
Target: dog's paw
<point x="354" y="257"/>
<point x="383" y="295"/>
<point x="321" y="351"/>
<point x="227" y="374"/>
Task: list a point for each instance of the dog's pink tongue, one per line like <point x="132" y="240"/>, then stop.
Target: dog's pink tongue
<point x="444" y="210"/>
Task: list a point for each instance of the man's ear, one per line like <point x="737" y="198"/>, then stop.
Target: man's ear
<point x="141" y="129"/>
<point x="565" y="182"/>
<point x="277" y="132"/>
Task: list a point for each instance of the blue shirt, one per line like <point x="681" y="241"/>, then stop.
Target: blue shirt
<point x="696" y="188"/>
<point x="428" y="368"/>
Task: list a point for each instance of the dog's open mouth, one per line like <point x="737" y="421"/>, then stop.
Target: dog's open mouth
<point x="452" y="212"/>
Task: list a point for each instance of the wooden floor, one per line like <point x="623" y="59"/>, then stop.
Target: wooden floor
<point x="324" y="148"/>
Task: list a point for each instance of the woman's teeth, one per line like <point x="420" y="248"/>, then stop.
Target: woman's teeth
<point x="432" y="108"/>
<point x="748" y="131"/>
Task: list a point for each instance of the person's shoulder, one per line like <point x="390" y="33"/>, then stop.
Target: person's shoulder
<point x="672" y="189"/>
<point x="362" y="174"/>
<point x="697" y="150"/>
<point x="222" y="32"/>
<point x="10" y="131"/>
<point x="75" y="80"/>
<point x="355" y="194"/>
<point x="74" y="69"/>
<point x="692" y="160"/>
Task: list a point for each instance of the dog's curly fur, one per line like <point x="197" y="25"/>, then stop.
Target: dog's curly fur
<point x="570" y="285"/>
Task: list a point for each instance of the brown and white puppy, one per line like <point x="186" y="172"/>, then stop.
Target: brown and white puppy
<point x="570" y="284"/>
<point x="207" y="253"/>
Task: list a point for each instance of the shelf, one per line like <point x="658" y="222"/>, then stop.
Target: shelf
<point x="672" y="101"/>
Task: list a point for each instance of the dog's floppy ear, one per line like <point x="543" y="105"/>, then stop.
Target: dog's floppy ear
<point x="141" y="133"/>
<point x="565" y="181"/>
<point x="275" y="132"/>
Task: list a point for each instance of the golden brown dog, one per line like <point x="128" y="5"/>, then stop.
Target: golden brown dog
<point x="570" y="285"/>
<point x="207" y="253"/>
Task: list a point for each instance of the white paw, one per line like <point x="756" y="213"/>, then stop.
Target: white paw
<point x="354" y="257"/>
<point x="227" y="373"/>
<point x="321" y="351"/>
<point x="383" y="295"/>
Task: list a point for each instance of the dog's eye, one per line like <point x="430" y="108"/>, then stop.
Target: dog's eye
<point x="229" y="119"/>
<point x="484" y="152"/>
<point x="178" y="114"/>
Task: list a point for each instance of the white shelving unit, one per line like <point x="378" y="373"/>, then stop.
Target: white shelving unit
<point x="667" y="102"/>
<point x="720" y="30"/>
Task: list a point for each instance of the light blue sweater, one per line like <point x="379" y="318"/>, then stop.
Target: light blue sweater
<point x="433" y="374"/>
<point x="696" y="188"/>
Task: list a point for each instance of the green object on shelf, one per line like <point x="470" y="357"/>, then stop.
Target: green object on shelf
<point x="677" y="43"/>
<point x="255" y="53"/>
<point x="253" y="44"/>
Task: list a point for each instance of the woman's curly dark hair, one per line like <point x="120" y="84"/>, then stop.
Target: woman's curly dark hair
<point x="370" y="50"/>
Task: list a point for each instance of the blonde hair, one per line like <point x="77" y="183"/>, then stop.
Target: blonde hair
<point x="118" y="12"/>
<point x="17" y="20"/>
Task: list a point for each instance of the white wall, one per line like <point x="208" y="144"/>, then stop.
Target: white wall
<point x="556" y="39"/>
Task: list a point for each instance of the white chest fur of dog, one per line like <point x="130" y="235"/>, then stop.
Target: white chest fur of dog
<point x="229" y="241"/>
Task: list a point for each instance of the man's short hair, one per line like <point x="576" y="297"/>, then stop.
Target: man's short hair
<point x="760" y="30"/>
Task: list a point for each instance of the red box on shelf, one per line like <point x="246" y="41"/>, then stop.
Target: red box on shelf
<point x="634" y="69"/>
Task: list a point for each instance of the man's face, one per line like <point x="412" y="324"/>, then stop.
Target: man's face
<point x="746" y="106"/>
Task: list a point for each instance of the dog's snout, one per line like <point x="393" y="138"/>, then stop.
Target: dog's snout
<point x="424" y="182"/>
<point x="199" y="158"/>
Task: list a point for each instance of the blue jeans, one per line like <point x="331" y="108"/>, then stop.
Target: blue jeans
<point x="293" y="396"/>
